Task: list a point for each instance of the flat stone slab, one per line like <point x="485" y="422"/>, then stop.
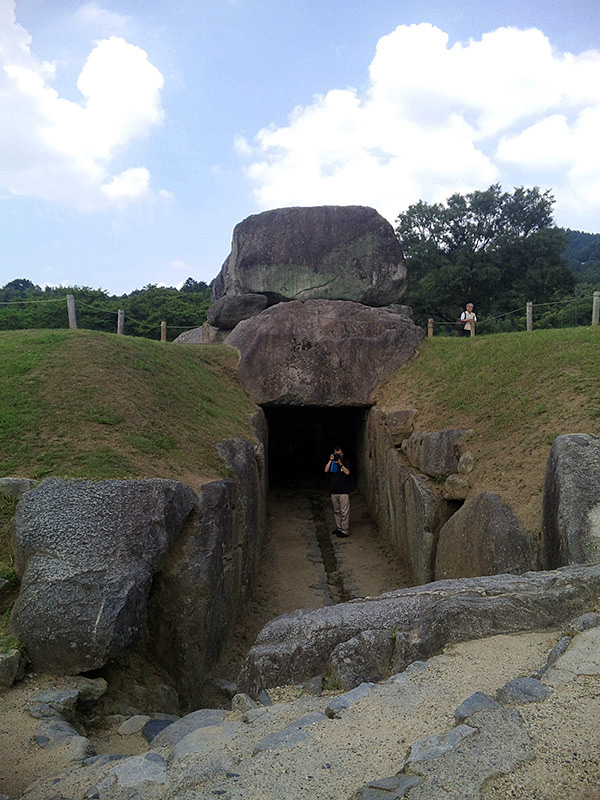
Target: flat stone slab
<point x="522" y="690"/>
<point x="581" y="658"/>
<point x="293" y="734"/>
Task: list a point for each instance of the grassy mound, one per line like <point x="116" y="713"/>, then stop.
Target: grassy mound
<point x="85" y="404"/>
<point x="516" y="391"/>
<point x="95" y="405"/>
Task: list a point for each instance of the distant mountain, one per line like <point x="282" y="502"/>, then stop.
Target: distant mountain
<point x="583" y="256"/>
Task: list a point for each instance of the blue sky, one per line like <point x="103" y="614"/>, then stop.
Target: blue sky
<point x="135" y="134"/>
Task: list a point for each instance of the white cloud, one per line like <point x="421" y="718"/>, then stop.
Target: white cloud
<point x="436" y="119"/>
<point x="95" y="16"/>
<point x="62" y="151"/>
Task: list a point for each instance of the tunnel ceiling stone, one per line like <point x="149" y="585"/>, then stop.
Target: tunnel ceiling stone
<point x="321" y="352"/>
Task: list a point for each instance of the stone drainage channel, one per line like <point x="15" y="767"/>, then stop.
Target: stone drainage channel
<point x="335" y="580"/>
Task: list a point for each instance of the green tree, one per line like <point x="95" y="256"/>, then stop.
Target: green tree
<point x="492" y="248"/>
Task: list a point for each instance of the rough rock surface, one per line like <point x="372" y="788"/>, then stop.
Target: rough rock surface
<point x="16" y="487"/>
<point x="322" y="252"/>
<point x="321" y="352"/>
<point x="12" y="665"/>
<point x="423" y="619"/>
<point x="484" y="537"/>
<point x="226" y="312"/>
<point x="436" y="453"/>
<point x="205" y="334"/>
<point x="408" y="508"/>
<point x="209" y="573"/>
<point x="87" y="552"/>
<point x="571" y="504"/>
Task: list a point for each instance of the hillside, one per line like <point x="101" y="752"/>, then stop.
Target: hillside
<point x="516" y="392"/>
<point x="95" y="405"/>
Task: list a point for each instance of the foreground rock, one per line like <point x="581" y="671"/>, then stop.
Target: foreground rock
<point x="322" y="252"/>
<point x="421" y="621"/>
<point x="87" y="552"/>
<point x="571" y="505"/>
<point x="484" y="537"/>
<point x="321" y="352"/>
<point x="409" y="507"/>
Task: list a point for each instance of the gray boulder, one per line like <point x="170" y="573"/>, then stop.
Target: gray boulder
<point x="16" y="487"/>
<point x="323" y="252"/>
<point x="366" y="657"/>
<point x="205" y="334"/>
<point x="484" y="537"/>
<point x="400" y="424"/>
<point x="408" y="507"/>
<point x="571" y="504"/>
<point x="296" y="646"/>
<point x="11" y="667"/>
<point x="87" y="552"/>
<point x="436" y="453"/>
<point x="321" y="352"/>
<point x="227" y="311"/>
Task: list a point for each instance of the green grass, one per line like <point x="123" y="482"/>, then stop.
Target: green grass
<point x="94" y="405"/>
<point x="7" y="572"/>
<point x="501" y="377"/>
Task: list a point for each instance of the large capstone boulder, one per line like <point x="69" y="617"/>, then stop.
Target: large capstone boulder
<point x="421" y="621"/>
<point x="484" y="537"/>
<point x="87" y="552"/>
<point x="571" y="504"/>
<point x="321" y="352"/>
<point x="323" y="252"/>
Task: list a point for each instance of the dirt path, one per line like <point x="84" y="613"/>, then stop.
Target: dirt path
<point x="304" y="566"/>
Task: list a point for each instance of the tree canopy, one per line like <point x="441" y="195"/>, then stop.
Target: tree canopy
<point x="25" y="305"/>
<point x="492" y="248"/>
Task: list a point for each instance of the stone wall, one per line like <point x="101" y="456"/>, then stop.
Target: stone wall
<point x="209" y="574"/>
<point x="409" y="508"/>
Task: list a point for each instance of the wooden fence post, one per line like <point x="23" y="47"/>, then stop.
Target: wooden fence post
<point x="163" y="331"/>
<point x="596" y="308"/>
<point x="472" y="327"/>
<point x="529" y="315"/>
<point x="430" y="328"/>
<point x="71" y="311"/>
<point x="120" y="321"/>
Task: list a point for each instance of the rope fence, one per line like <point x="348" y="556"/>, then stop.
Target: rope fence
<point x="528" y="308"/>
<point x="431" y="323"/>
<point x="120" y="315"/>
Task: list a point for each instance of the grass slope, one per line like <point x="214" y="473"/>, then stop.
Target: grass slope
<point x="95" y="405"/>
<point x="517" y="391"/>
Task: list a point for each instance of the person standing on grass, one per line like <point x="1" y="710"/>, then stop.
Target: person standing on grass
<point x="468" y="319"/>
<point x="339" y="485"/>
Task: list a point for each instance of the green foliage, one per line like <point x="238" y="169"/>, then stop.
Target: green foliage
<point x="25" y="305"/>
<point x="492" y="248"/>
<point x="583" y="256"/>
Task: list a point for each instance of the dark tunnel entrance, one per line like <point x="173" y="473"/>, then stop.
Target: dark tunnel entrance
<point x="302" y="437"/>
